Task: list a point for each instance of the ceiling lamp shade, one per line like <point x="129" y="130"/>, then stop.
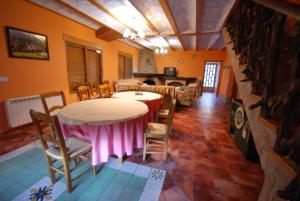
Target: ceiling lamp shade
<point x="133" y="35"/>
<point x="141" y="34"/>
<point x="162" y="51"/>
<point x="126" y="33"/>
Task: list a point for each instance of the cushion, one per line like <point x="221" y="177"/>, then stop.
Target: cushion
<point x="122" y="87"/>
<point x="149" y="88"/>
<point x="75" y="146"/>
<point x="156" y="129"/>
<point x="133" y="87"/>
<point x="163" y="113"/>
<point x="181" y="88"/>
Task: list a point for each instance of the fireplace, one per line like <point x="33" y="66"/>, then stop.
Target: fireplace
<point x="149" y="82"/>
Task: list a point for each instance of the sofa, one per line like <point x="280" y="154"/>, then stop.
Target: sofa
<point x="185" y="95"/>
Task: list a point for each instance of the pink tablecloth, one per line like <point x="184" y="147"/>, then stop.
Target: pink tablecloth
<point x="113" y="139"/>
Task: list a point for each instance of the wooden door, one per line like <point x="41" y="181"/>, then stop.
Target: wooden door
<point x="210" y="76"/>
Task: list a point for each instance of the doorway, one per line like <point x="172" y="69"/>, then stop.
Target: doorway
<point x="211" y="76"/>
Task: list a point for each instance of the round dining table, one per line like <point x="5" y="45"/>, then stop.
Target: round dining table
<point x="152" y="100"/>
<point x="113" y="126"/>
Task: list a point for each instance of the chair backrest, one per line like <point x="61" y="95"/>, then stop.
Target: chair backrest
<point x="52" y="137"/>
<point x="94" y="89"/>
<point x="106" y="82"/>
<point x="167" y="101"/>
<point x="51" y="100"/>
<point x="171" y="116"/>
<point x="104" y="90"/>
<point x="83" y="93"/>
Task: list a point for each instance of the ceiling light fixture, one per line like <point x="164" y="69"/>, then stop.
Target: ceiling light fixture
<point x="162" y="51"/>
<point x="133" y="35"/>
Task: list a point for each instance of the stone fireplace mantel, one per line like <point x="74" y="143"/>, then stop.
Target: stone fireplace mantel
<point x="165" y="79"/>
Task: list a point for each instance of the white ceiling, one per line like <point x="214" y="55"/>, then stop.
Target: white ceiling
<point x="179" y="24"/>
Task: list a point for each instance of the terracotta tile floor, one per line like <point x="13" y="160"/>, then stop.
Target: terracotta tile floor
<point x="204" y="163"/>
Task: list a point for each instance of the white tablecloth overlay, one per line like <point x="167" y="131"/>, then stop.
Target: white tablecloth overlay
<point x="101" y="111"/>
<point x="130" y="95"/>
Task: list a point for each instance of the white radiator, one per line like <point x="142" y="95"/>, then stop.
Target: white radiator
<point x="17" y="109"/>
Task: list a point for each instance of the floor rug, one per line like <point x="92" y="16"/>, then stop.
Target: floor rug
<point x="42" y="191"/>
<point x="26" y="175"/>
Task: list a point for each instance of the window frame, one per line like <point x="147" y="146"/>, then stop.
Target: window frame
<point x="69" y="40"/>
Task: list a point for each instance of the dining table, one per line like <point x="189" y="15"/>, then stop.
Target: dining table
<point x="152" y="100"/>
<point x="113" y="126"/>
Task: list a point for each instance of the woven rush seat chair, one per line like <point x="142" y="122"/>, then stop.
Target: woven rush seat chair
<point x="94" y="90"/>
<point x="157" y="135"/>
<point x="166" y="106"/>
<point x="59" y="150"/>
<point x="83" y="93"/>
<point x="105" y="90"/>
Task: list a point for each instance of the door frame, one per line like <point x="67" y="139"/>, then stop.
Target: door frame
<point x="217" y="88"/>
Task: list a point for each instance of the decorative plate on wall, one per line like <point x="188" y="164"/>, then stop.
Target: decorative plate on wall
<point x="181" y="60"/>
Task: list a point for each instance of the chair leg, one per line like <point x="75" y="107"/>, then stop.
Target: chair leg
<point x="165" y="148"/>
<point x="94" y="169"/>
<point x="68" y="181"/>
<point x="51" y="171"/>
<point x="68" y="176"/>
<point x="145" y="148"/>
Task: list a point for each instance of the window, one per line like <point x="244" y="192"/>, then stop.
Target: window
<point x="124" y="66"/>
<point x="83" y="65"/>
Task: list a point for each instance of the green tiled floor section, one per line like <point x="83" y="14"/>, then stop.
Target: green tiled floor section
<point x="21" y="172"/>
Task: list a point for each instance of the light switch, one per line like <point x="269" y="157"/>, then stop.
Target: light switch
<point x="3" y="79"/>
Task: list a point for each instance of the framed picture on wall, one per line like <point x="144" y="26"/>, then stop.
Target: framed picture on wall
<point x="26" y="44"/>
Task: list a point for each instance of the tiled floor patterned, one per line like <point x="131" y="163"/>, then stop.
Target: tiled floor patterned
<point x="114" y="182"/>
<point x="204" y="163"/>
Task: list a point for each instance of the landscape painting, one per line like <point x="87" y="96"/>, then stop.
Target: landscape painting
<point x="25" y="44"/>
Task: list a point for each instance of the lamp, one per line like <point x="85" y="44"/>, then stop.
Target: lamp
<point x="132" y="34"/>
<point x="162" y="51"/>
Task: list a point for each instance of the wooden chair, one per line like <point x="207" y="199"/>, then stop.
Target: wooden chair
<point x="105" y="90"/>
<point x="57" y="149"/>
<point x="83" y="93"/>
<point x="157" y="135"/>
<point x="94" y="89"/>
<point x="50" y="99"/>
<point x="166" y="106"/>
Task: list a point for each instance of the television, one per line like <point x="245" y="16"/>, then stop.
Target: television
<point x="170" y="71"/>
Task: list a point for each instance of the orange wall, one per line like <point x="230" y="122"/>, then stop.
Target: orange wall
<point x="227" y="80"/>
<point x="193" y="61"/>
<point x="30" y="77"/>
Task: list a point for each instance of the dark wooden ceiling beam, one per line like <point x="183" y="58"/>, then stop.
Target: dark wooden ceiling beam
<point x="199" y="15"/>
<point x="64" y="16"/>
<point x="150" y="25"/>
<point x="78" y="11"/>
<point x="165" y="7"/>
<point x="95" y="3"/>
<point x="147" y="21"/>
<point x="186" y="34"/>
